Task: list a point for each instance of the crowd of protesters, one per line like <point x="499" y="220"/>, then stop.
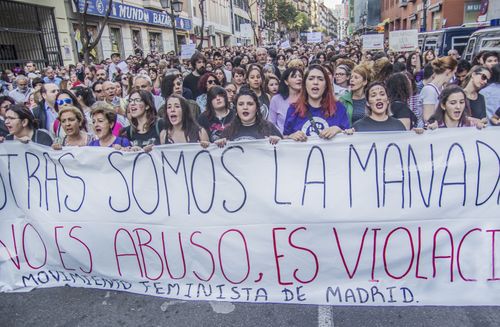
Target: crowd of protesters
<point x="246" y="92"/>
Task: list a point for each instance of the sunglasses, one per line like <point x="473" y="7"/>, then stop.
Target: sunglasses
<point x="211" y="81"/>
<point x="64" y="101"/>
<point x="483" y="77"/>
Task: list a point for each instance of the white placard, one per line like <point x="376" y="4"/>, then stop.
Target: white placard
<point x="393" y="219"/>
<point x="285" y="44"/>
<point x="373" y="42"/>
<point x="403" y="40"/>
<point x="246" y="30"/>
<point x="188" y="50"/>
<point x="314" y="37"/>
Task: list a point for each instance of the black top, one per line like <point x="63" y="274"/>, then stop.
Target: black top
<point x="253" y="133"/>
<point x="40" y="136"/>
<point x="264" y="104"/>
<point x="369" y="125"/>
<point x="191" y="82"/>
<point x="401" y="109"/>
<point x="3" y="129"/>
<point x="152" y="136"/>
<point x="215" y="126"/>
<point x="478" y="107"/>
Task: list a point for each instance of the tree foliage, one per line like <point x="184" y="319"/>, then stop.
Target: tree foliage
<point x="301" y="22"/>
<point x="281" y="12"/>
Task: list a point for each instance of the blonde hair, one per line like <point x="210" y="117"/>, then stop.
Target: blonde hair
<point x="72" y="109"/>
<point x="440" y="65"/>
<point x="364" y="71"/>
<point x="296" y="63"/>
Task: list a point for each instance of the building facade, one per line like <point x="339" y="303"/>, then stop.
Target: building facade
<point x="409" y="14"/>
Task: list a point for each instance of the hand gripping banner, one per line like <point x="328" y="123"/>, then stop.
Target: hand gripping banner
<point x="369" y="219"/>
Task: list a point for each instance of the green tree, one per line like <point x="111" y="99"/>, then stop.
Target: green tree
<point x="301" y="22"/>
<point x="285" y="13"/>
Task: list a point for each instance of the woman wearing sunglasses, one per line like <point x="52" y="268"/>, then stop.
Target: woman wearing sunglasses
<point x="64" y="99"/>
<point x="477" y="79"/>
<point x="206" y="82"/>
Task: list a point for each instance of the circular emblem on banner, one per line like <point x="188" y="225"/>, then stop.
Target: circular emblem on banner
<point x="99" y="6"/>
<point x="320" y="123"/>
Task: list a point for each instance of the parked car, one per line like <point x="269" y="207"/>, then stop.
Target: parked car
<point x="484" y="39"/>
<point x="446" y="39"/>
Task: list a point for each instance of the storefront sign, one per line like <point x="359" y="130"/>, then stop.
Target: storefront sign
<point x="133" y="14"/>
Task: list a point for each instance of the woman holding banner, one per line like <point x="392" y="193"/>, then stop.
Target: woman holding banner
<point x="180" y="125"/>
<point x="72" y="122"/>
<point x="22" y="126"/>
<point x="316" y="112"/>
<point x="248" y="124"/>
<point x="104" y="120"/>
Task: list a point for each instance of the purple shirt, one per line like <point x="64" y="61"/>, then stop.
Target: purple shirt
<point x="118" y="140"/>
<point x="277" y="111"/>
<point x="294" y="122"/>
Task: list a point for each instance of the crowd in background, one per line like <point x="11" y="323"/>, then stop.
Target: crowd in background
<point x="245" y="92"/>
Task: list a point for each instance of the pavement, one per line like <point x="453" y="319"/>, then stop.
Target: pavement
<point x="65" y="306"/>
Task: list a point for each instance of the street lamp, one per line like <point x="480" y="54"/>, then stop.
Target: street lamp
<point x="175" y="9"/>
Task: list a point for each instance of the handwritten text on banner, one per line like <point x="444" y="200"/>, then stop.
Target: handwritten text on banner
<point x="372" y="219"/>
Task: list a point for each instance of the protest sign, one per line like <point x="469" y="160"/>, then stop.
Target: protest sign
<point x="285" y="44"/>
<point x="314" y="37"/>
<point x="246" y="30"/>
<point x="403" y="40"/>
<point x="373" y="42"/>
<point x="188" y="50"/>
<point x="370" y="219"/>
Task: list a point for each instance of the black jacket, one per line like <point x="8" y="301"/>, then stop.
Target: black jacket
<point x="41" y="115"/>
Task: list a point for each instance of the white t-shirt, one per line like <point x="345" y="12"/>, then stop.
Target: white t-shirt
<point x="430" y="94"/>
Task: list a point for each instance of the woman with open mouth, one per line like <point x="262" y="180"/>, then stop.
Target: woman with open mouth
<point x="22" y="126"/>
<point x="452" y="110"/>
<point x="316" y="111"/>
<point x="354" y="100"/>
<point x="180" y="127"/>
<point x="144" y="129"/>
<point x="103" y="120"/>
<point x="248" y="124"/>
<point x="378" y="117"/>
<point x="72" y="122"/>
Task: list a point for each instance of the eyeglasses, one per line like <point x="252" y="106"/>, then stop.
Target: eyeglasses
<point x="135" y="100"/>
<point x="211" y="81"/>
<point x="11" y="118"/>
<point x="340" y="74"/>
<point x="64" y="101"/>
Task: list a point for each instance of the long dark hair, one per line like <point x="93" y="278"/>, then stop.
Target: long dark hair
<point x="284" y="89"/>
<point x="167" y="84"/>
<point x="263" y="126"/>
<point x="189" y="125"/>
<point x="148" y="100"/>
<point x="24" y="113"/>
<point x="86" y="94"/>
<point x="398" y="87"/>
<point x="443" y="97"/>
<point x="211" y="94"/>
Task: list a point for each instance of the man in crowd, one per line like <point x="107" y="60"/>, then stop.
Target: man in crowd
<point x="30" y="70"/>
<point x="90" y="73"/>
<point x="218" y="61"/>
<point x="143" y="82"/>
<point x="198" y="62"/>
<point x="98" y="90"/>
<point x="45" y="112"/>
<point x="101" y="74"/>
<point x="22" y="92"/>
<point x="261" y="54"/>
<point x="50" y="76"/>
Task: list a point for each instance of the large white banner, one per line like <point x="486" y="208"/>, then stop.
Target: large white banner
<point x="370" y="219"/>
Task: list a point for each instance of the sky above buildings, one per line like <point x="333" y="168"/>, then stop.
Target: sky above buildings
<point x="332" y="3"/>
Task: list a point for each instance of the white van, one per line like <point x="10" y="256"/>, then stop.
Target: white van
<point x="487" y="39"/>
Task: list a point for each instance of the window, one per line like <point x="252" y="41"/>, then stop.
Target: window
<point x="115" y="38"/>
<point x="137" y="41"/>
<point x="155" y="42"/>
